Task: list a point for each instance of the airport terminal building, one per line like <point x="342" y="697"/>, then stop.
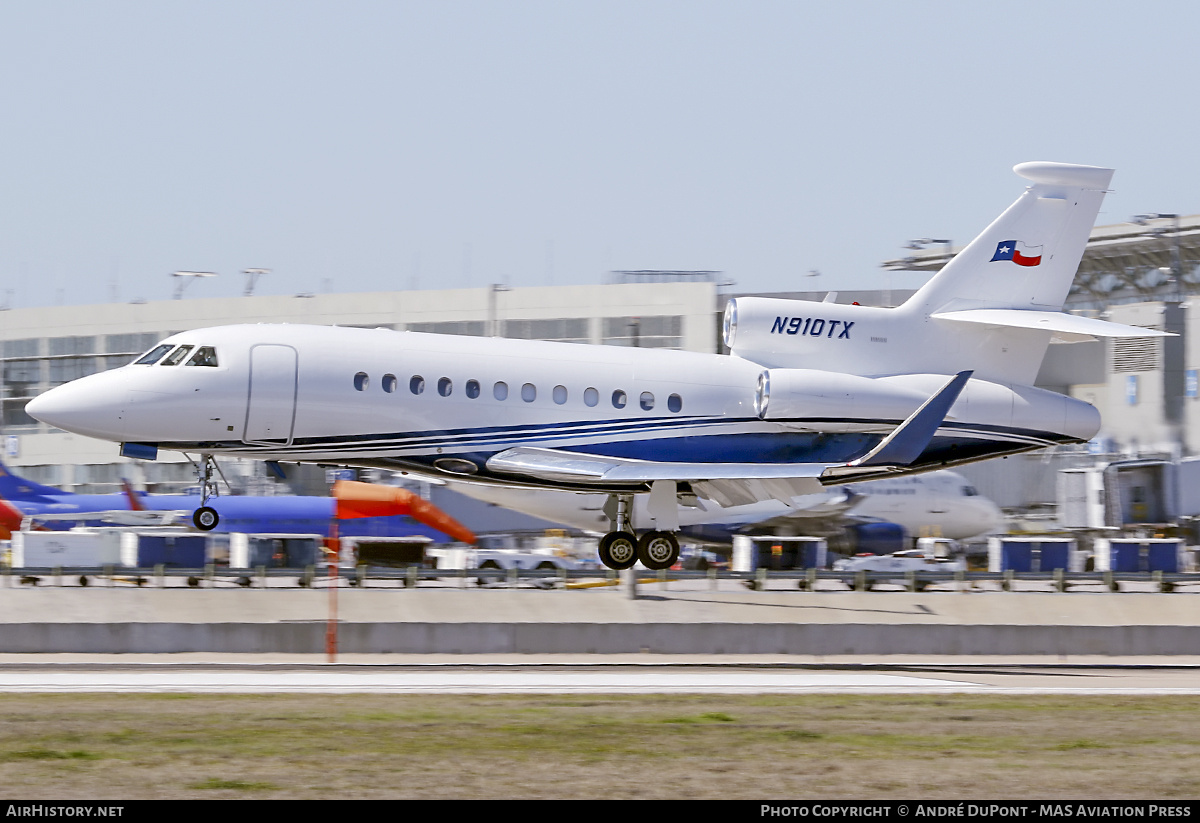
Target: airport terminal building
<point x="1147" y="389"/>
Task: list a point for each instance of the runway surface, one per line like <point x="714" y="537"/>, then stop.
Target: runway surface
<point x="580" y="677"/>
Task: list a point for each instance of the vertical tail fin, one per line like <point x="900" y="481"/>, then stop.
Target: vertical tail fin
<point x="1027" y="258"/>
<point x="18" y="489"/>
<point x="135" y="502"/>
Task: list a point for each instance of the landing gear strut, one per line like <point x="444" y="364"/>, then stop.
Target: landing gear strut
<point x="618" y="548"/>
<point x="206" y="518"/>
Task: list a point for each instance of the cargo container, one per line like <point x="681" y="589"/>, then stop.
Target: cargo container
<point x="386" y="552"/>
<point x="181" y="551"/>
<point x="292" y="551"/>
<point x="84" y="548"/>
<point x="751" y="553"/>
<point x="1034" y="554"/>
<point x="1139" y="555"/>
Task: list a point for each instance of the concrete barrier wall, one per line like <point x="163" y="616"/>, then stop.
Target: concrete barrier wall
<point x="308" y="637"/>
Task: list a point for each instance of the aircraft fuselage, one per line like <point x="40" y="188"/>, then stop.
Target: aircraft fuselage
<point x="447" y="404"/>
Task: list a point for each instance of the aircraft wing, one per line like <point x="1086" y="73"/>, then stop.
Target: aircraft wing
<point x="571" y="467"/>
<point x="728" y="484"/>
<point x="120" y="517"/>
<point x="827" y="516"/>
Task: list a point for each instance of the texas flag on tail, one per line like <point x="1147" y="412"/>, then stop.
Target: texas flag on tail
<point x="1017" y="252"/>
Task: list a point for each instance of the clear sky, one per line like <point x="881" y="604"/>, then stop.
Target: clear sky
<point x="364" y="145"/>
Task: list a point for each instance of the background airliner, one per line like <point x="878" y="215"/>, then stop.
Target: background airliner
<point x="812" y="394"/>
<point x="937" y="504"/>
<point x="20" y="498"/>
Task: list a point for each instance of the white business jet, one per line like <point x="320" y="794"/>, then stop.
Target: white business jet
<point x="813" y="394"/>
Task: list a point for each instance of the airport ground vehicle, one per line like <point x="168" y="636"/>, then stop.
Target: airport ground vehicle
<point x="499" y="559"/>
<point x="913" y="560"/>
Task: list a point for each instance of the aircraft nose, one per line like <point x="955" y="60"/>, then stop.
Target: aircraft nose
<point x="992" y="515"/>
<point x="91" y="406"/>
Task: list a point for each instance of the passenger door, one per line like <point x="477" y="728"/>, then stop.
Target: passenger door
<point x="271" y="406"/>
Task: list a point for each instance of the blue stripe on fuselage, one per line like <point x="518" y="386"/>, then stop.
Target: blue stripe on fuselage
<point x="762" y="447"/>
<point x="707" y="440"/>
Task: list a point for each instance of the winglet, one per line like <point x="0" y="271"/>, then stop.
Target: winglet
<point x="905" y="444"/>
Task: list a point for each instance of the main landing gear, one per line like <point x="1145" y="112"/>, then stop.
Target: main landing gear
<point x="621" y="548"/>
<point x="206" y="518"/>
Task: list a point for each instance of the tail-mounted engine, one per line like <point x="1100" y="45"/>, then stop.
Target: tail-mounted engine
<point x="828" y="401"/>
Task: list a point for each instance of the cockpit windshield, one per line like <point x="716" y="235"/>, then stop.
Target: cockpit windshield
<point x="204" y="356"/>
<point x="174" y="357"/>
<point x="151" y="357"/>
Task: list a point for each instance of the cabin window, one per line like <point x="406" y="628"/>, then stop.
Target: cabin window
<point x="417" y="384"/>
<point x="174" y="357"/>
<point x="560" y="394"/>
<point x="646" y="401"/>
<point x="472" y="389"/>
<point x="361" y="381"/>
<point x="500" y="391"/>
<point x="445" y="386"/>
<point x="620" y="398"/>
<point x="389" y="383"/>
<point x="152" y="356"/>
<point x="529" y="392"/>
<point x="204" y="356"/>
<point x="590" y="396"/>
<point x="675" y="403"/>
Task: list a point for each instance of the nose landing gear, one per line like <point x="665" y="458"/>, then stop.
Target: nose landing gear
<point x="206" y="518"/>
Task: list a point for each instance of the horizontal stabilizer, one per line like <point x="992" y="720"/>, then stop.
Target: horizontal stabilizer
<point x="1068" y="327"/>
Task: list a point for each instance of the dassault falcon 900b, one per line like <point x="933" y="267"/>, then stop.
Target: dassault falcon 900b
<point x="813" y="394"/>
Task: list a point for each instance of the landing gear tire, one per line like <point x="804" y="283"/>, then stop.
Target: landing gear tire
<point x="658" y="550"/>
<point x="206" y="518"/>
<point x="618" y="550"/>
